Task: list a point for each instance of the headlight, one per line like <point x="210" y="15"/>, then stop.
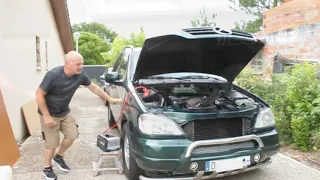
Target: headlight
<point x="265" y="119"/>
<point x="158" y="125"/>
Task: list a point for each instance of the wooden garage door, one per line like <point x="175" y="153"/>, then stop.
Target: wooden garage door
<point x="9" y="151"/>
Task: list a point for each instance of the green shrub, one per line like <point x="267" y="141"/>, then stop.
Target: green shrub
<point x="316" y="139"/>
<point x="294" y="97"/>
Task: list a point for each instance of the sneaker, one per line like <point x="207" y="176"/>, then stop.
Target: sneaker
<point x="58" y="160"/>
<point x="49" y="174"/>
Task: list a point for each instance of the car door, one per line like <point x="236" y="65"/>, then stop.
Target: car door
<point x="121" y="91"/>
<point x="113" y="90"/>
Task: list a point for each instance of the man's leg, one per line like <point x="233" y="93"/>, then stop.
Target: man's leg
<point x="48" y="155"/>
<point x="51" y="139"/>
<point x="65" y="144"/>
<point x="70" y="131"/>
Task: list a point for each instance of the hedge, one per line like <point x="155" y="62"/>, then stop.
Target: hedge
<point x="294" y="97"/>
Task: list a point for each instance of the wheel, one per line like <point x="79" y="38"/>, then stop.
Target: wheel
<point x="130" y="167"/>
<point x="111" y="120"/>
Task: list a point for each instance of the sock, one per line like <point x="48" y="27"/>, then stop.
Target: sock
<point x="58" y="156"/>
<point x="47" y="167"/>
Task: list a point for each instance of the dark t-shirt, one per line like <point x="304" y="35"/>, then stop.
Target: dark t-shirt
<point x="60" y="89"/>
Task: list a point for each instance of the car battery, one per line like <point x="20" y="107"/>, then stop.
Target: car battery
<point x="108" y="142"/>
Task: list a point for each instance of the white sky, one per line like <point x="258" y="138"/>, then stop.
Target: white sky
<point x="155" y="16"/>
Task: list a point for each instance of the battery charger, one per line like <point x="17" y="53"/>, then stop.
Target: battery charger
<point x="108" y="142"/>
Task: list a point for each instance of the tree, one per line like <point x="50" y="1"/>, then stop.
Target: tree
<point x="255" y="8"/>
<point x="95" y="28"/>
<point x="204" y="21"/>
<point x="251" y="26"/>
<point x="90" y="47"/>
<point x="136" y="40"/>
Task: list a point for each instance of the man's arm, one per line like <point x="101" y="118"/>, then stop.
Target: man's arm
<point x="42" y="102"/>
<point x="42" y="90"/>
<point x="99" y="92"/>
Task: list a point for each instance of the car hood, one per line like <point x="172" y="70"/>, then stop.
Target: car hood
<point x="220" y="54"/>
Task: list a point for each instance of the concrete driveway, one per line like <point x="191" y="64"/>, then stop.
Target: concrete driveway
<point x="91" y="115"/>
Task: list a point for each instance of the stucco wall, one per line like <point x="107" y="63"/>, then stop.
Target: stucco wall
<point x="20" y="22"/>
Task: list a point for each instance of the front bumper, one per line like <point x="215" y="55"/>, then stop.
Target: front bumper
<point x="200" y="174"/>
<point x="174" y="157"/>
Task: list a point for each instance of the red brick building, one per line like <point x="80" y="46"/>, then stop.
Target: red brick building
<point x="291" y="31"/>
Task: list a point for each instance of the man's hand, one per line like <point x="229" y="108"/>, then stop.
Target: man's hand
<point x="48" y="121"/>
<point x="115" y="100"/>
<point x="98" y="91"/>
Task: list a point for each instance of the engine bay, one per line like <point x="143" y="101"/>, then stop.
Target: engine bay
<point x="195" y="98"/>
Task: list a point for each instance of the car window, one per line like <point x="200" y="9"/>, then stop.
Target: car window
<point x="134" y="61"/>
<point x="117" y="63"/>
<point x="122" y="69"/>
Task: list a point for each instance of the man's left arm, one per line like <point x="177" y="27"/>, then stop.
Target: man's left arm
<point x="97" y="90"/>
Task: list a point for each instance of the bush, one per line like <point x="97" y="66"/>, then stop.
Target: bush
<point x="293" y="98"/>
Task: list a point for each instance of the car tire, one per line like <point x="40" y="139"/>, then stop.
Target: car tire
<point x="111" y="120"/>
<point x="133" y="171"/>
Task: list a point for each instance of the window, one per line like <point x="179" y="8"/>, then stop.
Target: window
<point x="47" y="66"/>
<point x="117" y="63"/>
<point x="123" y="64"/>
<point x="38" y="54"/>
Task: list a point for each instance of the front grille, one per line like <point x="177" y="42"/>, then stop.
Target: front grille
<point x="215" y="128"/>
<point x="221" y="148"/>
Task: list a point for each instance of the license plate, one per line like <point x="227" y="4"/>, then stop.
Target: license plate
<point x="227" y="164"/>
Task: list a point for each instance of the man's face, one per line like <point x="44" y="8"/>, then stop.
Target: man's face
<point x="75" y="66"/>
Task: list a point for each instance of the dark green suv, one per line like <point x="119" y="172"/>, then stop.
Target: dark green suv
<point x="183" y="117"/>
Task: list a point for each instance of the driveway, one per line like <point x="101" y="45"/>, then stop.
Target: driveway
<point x="91" y="116"/>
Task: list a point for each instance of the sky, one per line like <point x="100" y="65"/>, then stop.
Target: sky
<point x="156" y="17"/>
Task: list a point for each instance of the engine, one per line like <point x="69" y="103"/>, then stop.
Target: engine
<point x="196" y="99"/>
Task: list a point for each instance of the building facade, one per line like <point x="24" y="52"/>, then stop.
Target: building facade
<point x="34" y="37"/>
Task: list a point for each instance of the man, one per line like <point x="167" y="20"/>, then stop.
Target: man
<point x="53" y="97"/>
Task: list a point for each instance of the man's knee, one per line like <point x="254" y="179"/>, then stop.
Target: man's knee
<point x="69" y="128"/>
<point x="51" y="140"/>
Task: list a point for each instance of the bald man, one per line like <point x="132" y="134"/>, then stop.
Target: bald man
<point x="53" y="97"/>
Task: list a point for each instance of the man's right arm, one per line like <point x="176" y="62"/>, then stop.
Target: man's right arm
<point x="45" y="86"/>
<point x="42" y="102"/>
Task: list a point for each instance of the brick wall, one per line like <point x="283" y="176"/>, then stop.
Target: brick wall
<point x="293" y="30"/>
<point x="291" y="14"/>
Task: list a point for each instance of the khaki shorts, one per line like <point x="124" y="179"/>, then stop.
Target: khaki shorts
<point x="51" y="135"/>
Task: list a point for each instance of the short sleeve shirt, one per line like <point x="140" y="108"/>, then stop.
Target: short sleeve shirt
<point x="60" y="89"/>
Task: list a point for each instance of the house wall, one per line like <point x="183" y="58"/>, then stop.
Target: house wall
<point x="20" y="22"/>
<point x="292" y="30"/>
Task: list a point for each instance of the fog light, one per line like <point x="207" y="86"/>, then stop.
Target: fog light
<point x="194" y="166"/>
<point x="256" y="157"/>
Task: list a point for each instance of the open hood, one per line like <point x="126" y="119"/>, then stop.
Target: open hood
<point x="197" y="50"/>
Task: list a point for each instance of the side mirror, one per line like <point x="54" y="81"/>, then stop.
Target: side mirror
<point x="113" y="78"/>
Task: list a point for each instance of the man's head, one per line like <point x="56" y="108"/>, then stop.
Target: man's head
<point x="74" y="62"/>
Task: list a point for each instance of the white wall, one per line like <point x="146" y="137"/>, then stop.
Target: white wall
<point x="20" y="22"/>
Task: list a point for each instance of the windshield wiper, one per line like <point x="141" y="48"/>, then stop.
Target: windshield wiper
<point x="199" y="77"/>
<point x="163" y="77"/>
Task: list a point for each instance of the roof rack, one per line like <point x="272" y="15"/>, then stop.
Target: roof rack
<point x="217" y="30"/>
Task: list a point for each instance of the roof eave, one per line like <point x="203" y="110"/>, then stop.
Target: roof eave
<point x="61" y="16"/>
